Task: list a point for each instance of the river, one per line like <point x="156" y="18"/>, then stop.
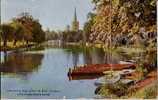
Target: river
<point x="42" y="72"/>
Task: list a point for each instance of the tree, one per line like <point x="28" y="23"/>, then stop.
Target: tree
<point x="87" y="29"/>
<point x="37" y="32"/>
<point x="33" y="32"/>
<point x="51" y="35"/>
<point x="19" y="31"/>
<point x="27" y="21"/>
<point x="7" y="33"/>
<point x="72" y="36"/>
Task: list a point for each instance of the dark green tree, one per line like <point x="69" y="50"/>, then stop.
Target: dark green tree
<point x="37" y="32"/>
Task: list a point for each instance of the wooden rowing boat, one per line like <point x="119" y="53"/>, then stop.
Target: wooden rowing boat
<point x="108" y="79"/>
<point x="98" y="68"/>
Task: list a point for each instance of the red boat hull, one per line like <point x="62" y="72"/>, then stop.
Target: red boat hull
<point x="98" y="68"/>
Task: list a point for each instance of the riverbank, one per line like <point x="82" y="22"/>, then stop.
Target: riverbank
<point x="130" y="50"/>
<point x="18" y="46"/>
<point x="145" y="88"/>
<point x="120" y="49"/>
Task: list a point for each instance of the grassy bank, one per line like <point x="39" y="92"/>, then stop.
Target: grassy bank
<point x="10" y="46"/>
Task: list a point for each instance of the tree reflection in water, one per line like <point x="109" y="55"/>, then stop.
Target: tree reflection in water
<point x="20" y="63"/>
<point x="92" y="55"/>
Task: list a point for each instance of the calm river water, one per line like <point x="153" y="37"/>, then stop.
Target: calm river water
<point x="42" y="72"/>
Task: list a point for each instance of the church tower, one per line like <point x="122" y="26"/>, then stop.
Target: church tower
<point x="75" y="23"/>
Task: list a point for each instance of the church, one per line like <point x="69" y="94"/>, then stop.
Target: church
<point x="75" y="23"/>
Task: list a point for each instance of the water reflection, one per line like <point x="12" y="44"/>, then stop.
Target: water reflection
<point x="25" y="63"/>
<point x="20" y="63"/>
<point x="92" y="55"/>
<point x="51" y="66"/>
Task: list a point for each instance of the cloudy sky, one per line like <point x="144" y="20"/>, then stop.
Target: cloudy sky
<point x="53" y="14"/>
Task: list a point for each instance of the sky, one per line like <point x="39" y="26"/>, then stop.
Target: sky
<point x="52" y="14"/>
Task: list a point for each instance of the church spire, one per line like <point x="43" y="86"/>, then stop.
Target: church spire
<point x="75" y="15"/>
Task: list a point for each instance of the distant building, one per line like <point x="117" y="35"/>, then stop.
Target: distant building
<point x="75" y="22"/>
<point x="67" y="28"/>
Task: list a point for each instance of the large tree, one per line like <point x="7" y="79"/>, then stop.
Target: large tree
<point x="34" y="30"/>
<point x="121" y="18"/>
